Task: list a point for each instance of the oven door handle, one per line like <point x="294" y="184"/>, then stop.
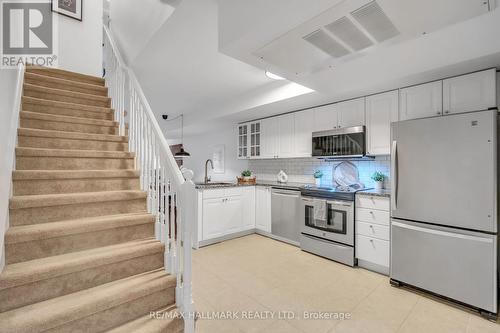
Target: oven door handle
<point x="340" y="203"/>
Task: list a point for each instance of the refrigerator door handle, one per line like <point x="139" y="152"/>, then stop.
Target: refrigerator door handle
<point x="394" y="177"/>
<point x="443" y="233"/>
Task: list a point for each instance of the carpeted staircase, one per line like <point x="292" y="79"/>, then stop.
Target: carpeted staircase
<point x="80" y="251"/>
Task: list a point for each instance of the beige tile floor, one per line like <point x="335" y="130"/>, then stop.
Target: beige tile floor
<point x="258" y="275"/>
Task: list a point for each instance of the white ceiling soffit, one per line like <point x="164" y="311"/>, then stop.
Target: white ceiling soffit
<point x="354" y="28"/>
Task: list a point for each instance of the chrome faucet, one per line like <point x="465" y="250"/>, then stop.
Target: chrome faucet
<point x="207" y="179"/>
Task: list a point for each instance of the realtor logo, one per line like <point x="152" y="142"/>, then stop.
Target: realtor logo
<point x="27" y="33"/>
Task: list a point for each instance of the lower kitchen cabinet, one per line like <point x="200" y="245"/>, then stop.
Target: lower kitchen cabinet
<point x="225" y="211"/>
<point x="372" y="232"/>
<point x="263" y="208"/>
<point x="216" y="216"/>
<point x="248" y="207"/>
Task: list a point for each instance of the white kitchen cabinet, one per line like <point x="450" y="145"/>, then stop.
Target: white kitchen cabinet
<point x="351" y="113"/>
<point x="232" y="215"/>
<point x="254" y="139"/>
<point x="249" y="140"/>
<point x="248" y="207"/>
<point x="263" y="208"/>
<point x="286" y="135"/>
<point x="242" y="141"/>
<point x="471" y="92"/>
<point x="372" y="232"/>
<point x="269" y="137"/>
<point x="304" y="122"/>
<point x="213" y="224"/>
<point x="424" y="100"/>
<point x="325" y="117"/>
<point x="222" y="212"/>
<point x="381" y="111"/>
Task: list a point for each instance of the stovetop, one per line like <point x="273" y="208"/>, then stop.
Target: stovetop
<point x="327" y="192"/>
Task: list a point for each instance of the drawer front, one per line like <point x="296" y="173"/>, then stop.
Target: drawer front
<point x="372" y="230"/>
<point x="213" y="193"/>
<point x="372" y="250"/>
<point x="221" y="192"/>
<point x="372" y="202"/>
<point x="373" y="216"/>
<point x="233" y="191"/>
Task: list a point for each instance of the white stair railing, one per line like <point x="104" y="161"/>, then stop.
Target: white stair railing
<point x="170" y="192"/>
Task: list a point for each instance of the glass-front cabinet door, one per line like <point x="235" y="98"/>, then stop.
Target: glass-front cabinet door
<point x="255" y="140"/>
<point x="243" y="141"/>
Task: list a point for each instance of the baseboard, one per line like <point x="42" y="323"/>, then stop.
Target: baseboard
<point x="373" y="267"/>
<point x="226" y="237"/>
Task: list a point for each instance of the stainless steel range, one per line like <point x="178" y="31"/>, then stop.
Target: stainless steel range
<point x="327" y="222"/>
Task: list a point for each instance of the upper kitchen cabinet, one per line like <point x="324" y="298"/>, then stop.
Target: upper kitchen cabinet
<point x="304" y="123"/>
<point x="255" y="139"/>
<point x="286" y="135"/>
<point x="471" y="92"/>
<point x="351" y="113"/>
<point x="249" y="140"/>
<point x="421" y="101"/>
<point x="381" y="111"/>
<point x="325" y="117"/>
<point x="269" y="137"/>
<point x="243" y="141"/>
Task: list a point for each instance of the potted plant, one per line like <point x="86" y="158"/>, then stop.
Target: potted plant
<point x="379" y="178"/>
<point x="246" y="174"/>
<point x="317" y="177"/>
<point x="246" y="178"/>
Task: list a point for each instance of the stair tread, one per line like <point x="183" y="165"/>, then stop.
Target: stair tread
<point x="43" y="70"/>
<point x="74" y="106"/>
<point x="73" y="174"/>
<point x="28" y="86"/>
<point x="71" y="135"/>
<point x="37" y="76"/>
<point x="146" y="324"/>
<point x="60" y="310"/>
<point x="49" y="267"/>
<point x="47" y="200"/>
<point x="27" y="151"/>
<point x="34" y="232"/>
<point x="67" y="119"/>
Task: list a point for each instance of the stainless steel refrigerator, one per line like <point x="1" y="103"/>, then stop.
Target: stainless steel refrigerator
<point x="444" y="207"/>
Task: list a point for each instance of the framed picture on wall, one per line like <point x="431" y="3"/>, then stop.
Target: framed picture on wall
<point x="70" y="8"/>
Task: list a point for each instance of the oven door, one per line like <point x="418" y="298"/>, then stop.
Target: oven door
<point x="339" y="223"/>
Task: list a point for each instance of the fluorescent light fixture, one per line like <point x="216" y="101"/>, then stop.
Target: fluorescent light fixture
<point x="274" y="76"/>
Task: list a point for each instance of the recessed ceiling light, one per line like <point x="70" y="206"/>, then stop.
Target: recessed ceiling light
<point x="274" y="76"/>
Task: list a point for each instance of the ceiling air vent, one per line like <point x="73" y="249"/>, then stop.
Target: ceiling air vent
<point x="375" y="21"/>
<point x="347" y="31"/>
<point x="327" y="44"/>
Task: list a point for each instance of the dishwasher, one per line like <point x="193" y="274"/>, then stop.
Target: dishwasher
<point x="285" y="221"/>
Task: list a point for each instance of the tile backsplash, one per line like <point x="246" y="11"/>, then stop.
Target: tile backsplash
<point x="302" y="169"/>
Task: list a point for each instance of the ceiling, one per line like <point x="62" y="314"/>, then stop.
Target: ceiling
<point x="206" y="59"/>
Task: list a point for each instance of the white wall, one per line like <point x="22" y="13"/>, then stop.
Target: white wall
<point x="7" y="92"/>
<point x="201" y="148"/>
<point x="80" y="43"/>
<point x="133" y="23"/>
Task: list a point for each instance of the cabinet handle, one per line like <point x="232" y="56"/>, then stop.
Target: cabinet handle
<point x="371" y="226"/>
<point x="447" y="112"/>
<point x="371" y="212"/>
<point x="438" y="112"/>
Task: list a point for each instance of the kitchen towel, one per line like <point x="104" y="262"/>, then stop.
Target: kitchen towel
<point x="320" y="209"/>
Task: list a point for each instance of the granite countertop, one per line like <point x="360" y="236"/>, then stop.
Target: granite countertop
<point x="374" y="192"/>
<point x="290" y="185"/>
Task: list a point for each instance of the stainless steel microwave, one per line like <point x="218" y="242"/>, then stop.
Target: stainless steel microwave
<point x="349" y="142"/>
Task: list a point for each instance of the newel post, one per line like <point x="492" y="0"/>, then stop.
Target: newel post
<point x="188" y="219"/>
